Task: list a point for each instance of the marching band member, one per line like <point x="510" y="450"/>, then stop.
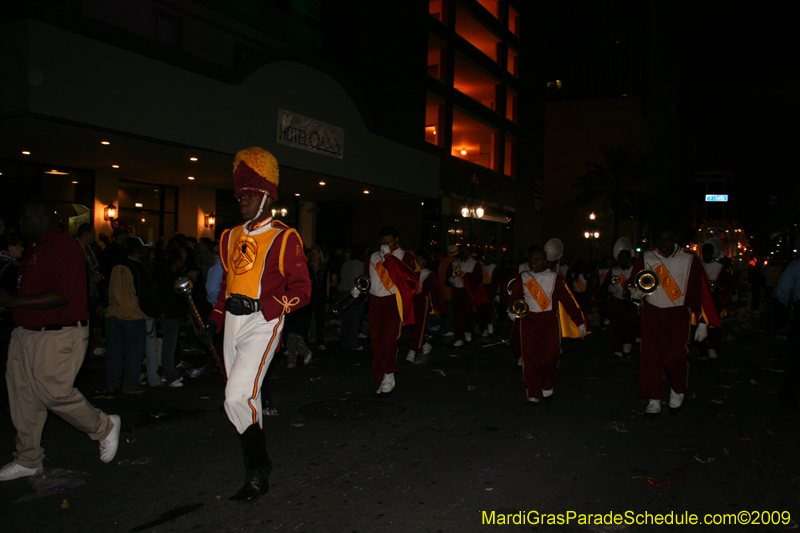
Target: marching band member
<point x="515" y="336"/>
<point x="468" y="294"/>
<point x="265" y="277"/>
<point x="394" y="279"/>
<point x="428" y="300"/>
<point x="552" y="309"/>
<point x="493" y="283"/>
<point x="721" y="284"/>
<point x="622" y="313"/>
<point x="666" y="318"/>
<point x="581" y="284"/>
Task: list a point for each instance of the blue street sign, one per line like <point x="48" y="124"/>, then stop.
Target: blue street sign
<point x="716" y="197"/>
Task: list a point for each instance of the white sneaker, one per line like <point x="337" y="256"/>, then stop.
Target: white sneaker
<point x="485" y="333"/>
<point x="362" y="336"/>
<point x="533" y="400"/>
<point x="411" y="355"/>
<point x="519" y="361"/>
<point x="547" y="393"/>
<point x="14" y="471"/>
<point x="448" y="334"/>
<point x="626" y="348"/>
<point x="490" y="327"/>
<point x="109" y="445"/>
<point x="468" y="336"/>
<point x="426" y="348"/>
<point x="653" y="408"/>
<point x="177" y="383"/>
<point x="675" y="399"/>
<point x="458" y="344"/>
<point x="618" y="354"/>
<point x="359" y="348"/>
<point x="712" y="353"/>
<point x="387" y="385"/>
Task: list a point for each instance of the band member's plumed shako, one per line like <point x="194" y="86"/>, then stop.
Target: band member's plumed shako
<point x="265" y="277"/>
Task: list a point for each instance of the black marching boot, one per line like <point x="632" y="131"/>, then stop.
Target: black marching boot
<point x="256" y="464"/>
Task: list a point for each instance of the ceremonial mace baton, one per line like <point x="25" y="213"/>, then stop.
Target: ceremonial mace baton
<point x="184" y="288"/>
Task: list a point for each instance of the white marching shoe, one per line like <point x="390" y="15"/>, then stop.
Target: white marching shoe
<point x="653" y="408"/>
<point x="15" y="471"/>
<point x="426" y="348"/>
<point x="458" y="344"/>
<point x="467" y="336"/>
<point x="675" y="400"/>
<point x="485" y="333"/>
<point x="626" y="348"/>
<point x="387" y="385"/>
<point x="490" y="328"/>
<point x="411" y="356"/>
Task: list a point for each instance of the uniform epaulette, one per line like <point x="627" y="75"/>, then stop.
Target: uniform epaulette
<point x="279" y="225"/>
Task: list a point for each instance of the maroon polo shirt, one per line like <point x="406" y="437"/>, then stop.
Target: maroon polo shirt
<point x="55" y="263"/>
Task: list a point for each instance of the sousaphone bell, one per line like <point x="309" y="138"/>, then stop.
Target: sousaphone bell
<point x="646" y="281"/>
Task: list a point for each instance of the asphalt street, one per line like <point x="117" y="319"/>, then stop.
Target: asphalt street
<point x="455" y="442"/>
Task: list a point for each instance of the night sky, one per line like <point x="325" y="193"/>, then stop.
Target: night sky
<point x="742" y="107"/>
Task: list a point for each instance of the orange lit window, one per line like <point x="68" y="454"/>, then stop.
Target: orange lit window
<point x="491" y="7"/>
<point x="474" y="82"/>
<point x="474" y="141"/>
<point x="511" y="105"/>
<point x="436" y="57"/>
<point x="435" y="8"/>
<point x="434" y="116"/>
<point x="476" y="33"/>
<point x="510" y="159"/>
<point x="513" y="21"/>
<point x="513" y="62"/>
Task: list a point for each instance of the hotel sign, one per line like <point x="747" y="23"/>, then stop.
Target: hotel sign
<point x="716" y="197"/>
<point x="310" y="134"/>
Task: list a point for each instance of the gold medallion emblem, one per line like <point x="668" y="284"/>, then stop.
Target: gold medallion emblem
<point x="245" y="252"/>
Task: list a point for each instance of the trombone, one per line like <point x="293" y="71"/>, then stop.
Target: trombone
<point x="363" y="284"/>
<point x="510" y="285"/>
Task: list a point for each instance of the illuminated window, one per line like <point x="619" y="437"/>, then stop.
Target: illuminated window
<point x="491" y="7"/>
<point x="513" y="21"/>
<point x="435" y="8"/>
<point x="510" y="159"/>
<point x="474" y="141"/>
<point x="511" y="104"/>
<point x="474" y="82"/>
<point x="434" y="116"/>
<point x="476" y="33"/>
<point x="513" y="62"/>
<point x="436" y="57"/>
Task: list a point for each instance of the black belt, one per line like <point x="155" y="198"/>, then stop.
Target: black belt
<point x="57" y="327"/>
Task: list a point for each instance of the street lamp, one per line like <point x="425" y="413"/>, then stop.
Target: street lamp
<point x="592" y="234"/>
<point x="473" y="207"/>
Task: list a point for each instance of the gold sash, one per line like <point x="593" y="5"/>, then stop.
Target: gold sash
<point x="537" y="293"/>
<point x="671" y="289"/>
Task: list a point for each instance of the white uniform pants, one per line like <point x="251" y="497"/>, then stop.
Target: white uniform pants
<point x="250" y="343"/>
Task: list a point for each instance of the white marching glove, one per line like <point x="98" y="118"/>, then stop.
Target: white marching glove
<point x="582" y="329"/>
<point x="355" y="293"/>
<point x="512" y="316"/>
<point x="636" y="294"/>
<point x="701" y="333"/>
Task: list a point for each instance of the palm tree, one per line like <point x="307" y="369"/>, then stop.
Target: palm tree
<point x="621" y="184"/>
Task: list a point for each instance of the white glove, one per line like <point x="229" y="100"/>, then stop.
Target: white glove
<point x="496" y="298"/>
<point x="355" y="293"/>
<point x="512" y="316"/>
<point x="636" y="294"/>
<point x="582" y="329"/>
<point x="701" y="333"/>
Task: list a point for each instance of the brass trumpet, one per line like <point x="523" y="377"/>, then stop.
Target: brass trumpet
<point x="456" y="273"/>
<point x="519" y="308"/>
<point x="363" y="284"/>
<point x="510" y="285"/>
<point x="647" y="281"/>
<point x="615" y="280"/>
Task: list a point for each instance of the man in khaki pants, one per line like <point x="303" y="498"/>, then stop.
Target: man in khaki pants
<point x="48" y="347"/>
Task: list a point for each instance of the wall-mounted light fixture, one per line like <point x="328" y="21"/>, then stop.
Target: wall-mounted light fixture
<point x="110" y="212"/>
<point x="211" y="220"/>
